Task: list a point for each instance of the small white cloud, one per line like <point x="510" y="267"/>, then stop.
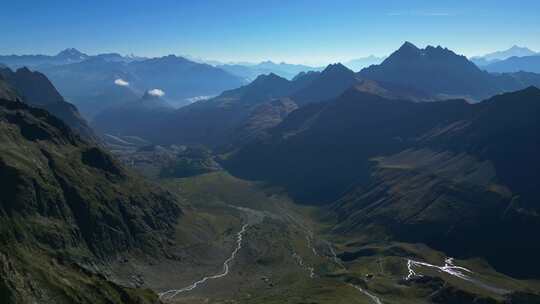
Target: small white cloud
<point x="156" y="92"/>
<point x="121" y="82"/>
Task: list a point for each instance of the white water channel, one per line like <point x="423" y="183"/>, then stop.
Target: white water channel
<point x="373" y="297"/>
<point x="169" y="294"/>
<point x="453" y="270"/>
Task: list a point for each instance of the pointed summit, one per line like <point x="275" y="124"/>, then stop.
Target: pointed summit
<point x="72" y="54"/>
<point x="171" y="61"/>
<point x="329" y="83"/>
<point x="268" y="80"/>
<point x="336" y="69"/>
<point x="408" y="46"/>
<point x="436" y="70"/>
<point x="406" y="49"/>
<point x="265" y="86"/>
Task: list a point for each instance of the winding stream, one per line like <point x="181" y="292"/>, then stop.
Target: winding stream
<point x="169" y="294"/>
<point x="300" y="262"/>
<point x="373" y="297"/>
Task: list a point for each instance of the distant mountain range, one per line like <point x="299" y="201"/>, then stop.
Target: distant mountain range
<point x="66" y="56"/>
<point x="514" y="51"/>
<point x="99" y="83"/>
<point x="515" y="64"/>
<point x="180" y="79"/>
<point x="239" y="115"/>
<point x="251" y="71"/>
<point x="217" y="121"/>
<point x="83" y="79"/>
<point x="183" y="80"/>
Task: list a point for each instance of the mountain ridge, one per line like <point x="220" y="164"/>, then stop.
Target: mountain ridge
<point x="36" y="89"/>
<point x="514" y="51"/>
<point x="440" y="71"/>
<point x="178" y="77"/>
<point x="515" y="64"/>
<point x="395" y="168"/>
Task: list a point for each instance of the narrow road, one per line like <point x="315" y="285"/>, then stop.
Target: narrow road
<point x="169" y="294"/>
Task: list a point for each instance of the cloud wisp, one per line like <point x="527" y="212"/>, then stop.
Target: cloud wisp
<point x="121" y="82"/>
<point x="156" y="92"/>
<point x="421" y="13"/>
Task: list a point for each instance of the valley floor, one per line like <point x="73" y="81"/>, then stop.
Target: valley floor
<point x="243" y="242"/>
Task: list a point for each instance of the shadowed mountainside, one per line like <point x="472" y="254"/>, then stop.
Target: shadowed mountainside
<point x="134" y="116"/>
<point x="240" y="115"/>
<point x="36" y="90"/>
<point x="419" y="172"/>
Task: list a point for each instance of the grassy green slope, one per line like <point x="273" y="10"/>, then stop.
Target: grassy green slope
<point x="66" y="208"/>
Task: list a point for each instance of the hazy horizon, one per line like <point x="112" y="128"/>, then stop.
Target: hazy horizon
<point x="194" y="57"/>
<point x="302" y="32"/>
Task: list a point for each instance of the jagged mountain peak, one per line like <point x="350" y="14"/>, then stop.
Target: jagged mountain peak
<point x="22" y="71"/>
<point x="408" y="46"/>
<point x="34" y="86"/>
<point x="37" y="90"/>
<point x="172" y="57"/>
<point x="336" y="68"/>
<point x="303" y="75"/>
<point x="437" y="70"/>
<point x="271" y="77"/>
<point x="409" y="51"/>
<point x="71" y="53"/>
<point x="265" y="83"/>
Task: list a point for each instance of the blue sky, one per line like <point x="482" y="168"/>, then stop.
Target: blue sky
<point x="314" y="32"/>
